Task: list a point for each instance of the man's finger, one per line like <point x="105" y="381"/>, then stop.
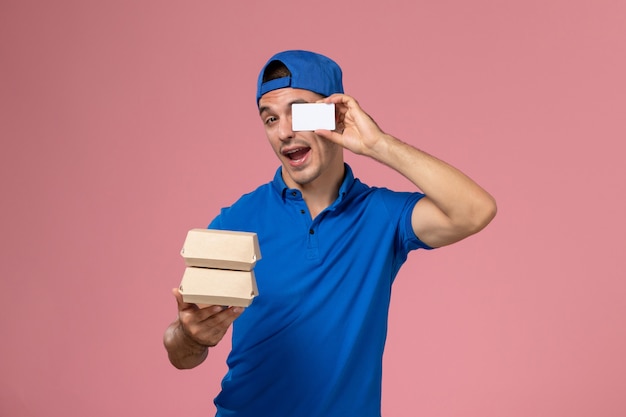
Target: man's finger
<point x="225" y="317"/>
<point x="179" y="300"/>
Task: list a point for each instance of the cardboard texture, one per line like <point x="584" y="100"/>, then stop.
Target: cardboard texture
<point x="221" y="249"/>
<point x="219" y="268"/>
<point x="205" y="286"/>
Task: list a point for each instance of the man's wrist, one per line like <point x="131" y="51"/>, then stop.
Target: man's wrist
<point x="383" y="149"/>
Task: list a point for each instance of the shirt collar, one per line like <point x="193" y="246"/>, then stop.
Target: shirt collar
<point x="279" y="184"/>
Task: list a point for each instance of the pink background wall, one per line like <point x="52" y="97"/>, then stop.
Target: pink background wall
<point x="124" y="124"/>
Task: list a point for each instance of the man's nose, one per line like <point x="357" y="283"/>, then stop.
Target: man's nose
<point x="285" y="131"/>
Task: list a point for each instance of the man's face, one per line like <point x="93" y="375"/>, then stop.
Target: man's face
<point x="307" y="159"/>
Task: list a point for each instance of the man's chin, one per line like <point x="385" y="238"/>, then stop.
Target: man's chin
<point x="298" y="176"/>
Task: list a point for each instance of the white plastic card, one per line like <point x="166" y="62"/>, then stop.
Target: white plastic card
<point x="312" y="116"/>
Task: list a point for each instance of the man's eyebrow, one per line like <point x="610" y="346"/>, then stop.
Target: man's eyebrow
<point x="296" y="101"/>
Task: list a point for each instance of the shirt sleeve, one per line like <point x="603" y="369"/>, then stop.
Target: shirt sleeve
<point x="216" y="223"/>
<point x="400" y="207"/>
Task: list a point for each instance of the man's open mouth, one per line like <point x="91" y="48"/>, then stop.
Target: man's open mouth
<point x="297" y="154"/>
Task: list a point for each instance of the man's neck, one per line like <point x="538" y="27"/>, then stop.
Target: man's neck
<point x="317" y="200"/>
<point x="322" y="192"/>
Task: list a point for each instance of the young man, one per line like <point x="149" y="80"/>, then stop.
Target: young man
<point x="311" y="343"/>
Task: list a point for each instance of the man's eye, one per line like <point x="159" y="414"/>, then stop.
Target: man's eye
<point x="270" y="120"/>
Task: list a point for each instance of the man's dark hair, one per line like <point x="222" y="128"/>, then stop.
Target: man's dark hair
<point x="274" y="70"/>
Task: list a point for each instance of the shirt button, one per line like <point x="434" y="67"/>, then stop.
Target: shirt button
<point x="311" y="231"/>
<point x="302" y="211"/>
<point x="293" y="193"/>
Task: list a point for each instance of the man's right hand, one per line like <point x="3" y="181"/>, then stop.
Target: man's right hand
<point x="196" y="329"/>
<point x="205" y="326"/>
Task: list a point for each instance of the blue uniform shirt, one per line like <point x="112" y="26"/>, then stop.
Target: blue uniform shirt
<point x="311" y="343"/>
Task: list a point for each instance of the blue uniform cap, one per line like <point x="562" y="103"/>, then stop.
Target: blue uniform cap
<point x="309" y="71"/>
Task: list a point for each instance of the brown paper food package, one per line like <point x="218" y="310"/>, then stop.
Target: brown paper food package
<point x="221" y="249"/>
<point x="205" y="286"/>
